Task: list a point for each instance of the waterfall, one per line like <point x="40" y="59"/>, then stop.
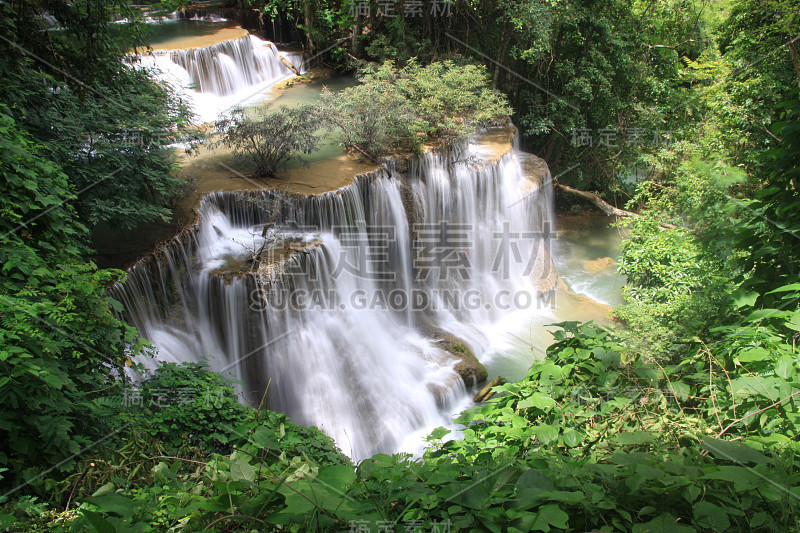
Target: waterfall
<point x="321" y="319"/>
<point x="217" y="77"/>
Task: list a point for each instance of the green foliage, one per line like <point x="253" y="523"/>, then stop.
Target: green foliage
<point x="759" y="41"/>
<point x="61" y="343"/>
<point x="661" y="265"/>
<point x="400" y="108"/>
<point x="106" y="124"/>
<point x="186" y="402"/>
<point x="770" y="227"/>
<point x="680" y="254"/>
<point x="708" y="75"/>
<point x="278" y="473"/>
<point x="611" y="441"/>
<point x="684" y="421"/>
<point x="674" y="288"/>
<point x="271" y="138"/>
<point x="114" y="149"/>
<point x="594" y="438"/>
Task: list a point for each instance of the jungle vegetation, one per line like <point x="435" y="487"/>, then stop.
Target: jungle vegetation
<point x="684" y="417"/>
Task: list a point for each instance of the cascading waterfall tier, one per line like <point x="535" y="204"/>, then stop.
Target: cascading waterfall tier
<point x="338" y="303"/>
<point x="218" y="77"/>
<point x="226" y="67"/>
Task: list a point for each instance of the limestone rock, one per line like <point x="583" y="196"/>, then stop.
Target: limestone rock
<point x="471" y="371"/>
<point x="594" y="266"/>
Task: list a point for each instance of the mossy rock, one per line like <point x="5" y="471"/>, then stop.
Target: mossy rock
<point x="471" y="371"/>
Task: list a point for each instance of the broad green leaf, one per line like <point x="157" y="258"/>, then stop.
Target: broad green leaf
<point x="114" y="503"/>
<point x="680" y="389"/>
<point x="741" y="477"/>
<point x="732" y="451"/>
<point x="785" y="367"/>
<point x="464" y="494"/>
<point x="663" y="523"/>
<point x="766" y="313"/>
<point x="743" y="298"/>
<point x="105" y="489"/>
<point x="786" y="288"/>
<point x="263" y="437"/>
<point x="338" y="476"/>
<point x="753" y="354"/>
<point x="438" y="433"/>
<point x="633" y="437"/>
<point x="550" y="515"/>
<point x="546" y="434"/>
<point x="794" y="321"/>
<point x="710" y="515"/>
<point x="538" y="400"/>
<point x="242" y="471"/>
<point x="534" y="479"/>
<point x="571" y="438"/>
<point x="100" y="524"/>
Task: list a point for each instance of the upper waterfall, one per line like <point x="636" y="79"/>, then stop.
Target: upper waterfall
<point x="220" y="76"/>
<point x="347" y="319"/>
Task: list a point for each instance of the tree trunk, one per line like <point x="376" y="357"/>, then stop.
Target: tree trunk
<point x="604" y="206"/>
<point x="309" y="24"/>
<point x="354" y="40"/>
<point x="289" y="65"/>
<point x="795" y="58"/>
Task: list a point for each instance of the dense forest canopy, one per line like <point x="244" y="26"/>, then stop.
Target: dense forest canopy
<point x="681" y="417"/>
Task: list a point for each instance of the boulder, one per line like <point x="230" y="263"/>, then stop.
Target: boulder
<point x="594" y="266"/>
<point x="471" y="371"/>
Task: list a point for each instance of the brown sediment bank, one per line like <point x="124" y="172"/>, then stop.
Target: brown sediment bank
<point x="211" y="171"/>
<point x="216" y="169"/>
<point x="585" y="307"/>
<point x="201" y="41"/>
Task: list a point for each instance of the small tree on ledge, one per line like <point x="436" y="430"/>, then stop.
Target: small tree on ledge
<point x="271" y="137"/>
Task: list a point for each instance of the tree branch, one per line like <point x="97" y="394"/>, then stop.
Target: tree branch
<point x="604" y="206"/>
<point x="672" y="46"/>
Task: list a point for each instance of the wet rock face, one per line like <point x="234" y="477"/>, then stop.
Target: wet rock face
<point x="536" y="183"/>
<point x="535" y="170"/>
<point x="471" y="371"/>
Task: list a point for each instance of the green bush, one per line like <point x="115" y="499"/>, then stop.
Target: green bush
<point x="271" y="137"/>
<point x="399" y="108"/>
<point x="60" y="343"/>
<point x="186" y="403"/>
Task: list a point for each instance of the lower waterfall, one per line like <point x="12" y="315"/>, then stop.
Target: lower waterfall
<point x="340" y="304"/>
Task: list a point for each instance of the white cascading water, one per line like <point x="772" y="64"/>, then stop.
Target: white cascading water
<point x="325" y="329"/>
<point x="224" y="75"/>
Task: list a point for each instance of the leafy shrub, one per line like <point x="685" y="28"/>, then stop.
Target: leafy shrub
<point x="271" y="137"/>
<point x="186" y="402"/>
<point x="592" y="439"/>
<point x="595" y="438"/>
<point x="61" y="346"/>
<point x="399" y="108"/>
<point x="678" y="277"/>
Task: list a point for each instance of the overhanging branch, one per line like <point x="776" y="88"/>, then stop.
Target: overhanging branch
<point x="604" y="206"/>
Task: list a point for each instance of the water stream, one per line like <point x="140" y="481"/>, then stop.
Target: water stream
<point x="328" y="321"/>
<point x="356" y="310"/>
